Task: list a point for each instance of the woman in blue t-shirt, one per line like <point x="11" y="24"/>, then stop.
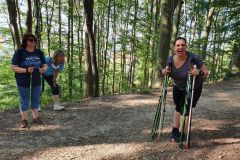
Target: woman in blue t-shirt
<point x="178" y="70"/>
<point x="55" y="65"/>
<point x="29" y="63"/>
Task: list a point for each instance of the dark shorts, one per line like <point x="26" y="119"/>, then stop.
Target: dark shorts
<point x="179" y="98"/>
<point x="54" y="87"/>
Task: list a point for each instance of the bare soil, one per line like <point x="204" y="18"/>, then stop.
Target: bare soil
<point x="119" y="126"/>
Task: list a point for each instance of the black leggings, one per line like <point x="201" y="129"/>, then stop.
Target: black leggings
<point x="179" y="98"/>
<point x="55" y="87"/>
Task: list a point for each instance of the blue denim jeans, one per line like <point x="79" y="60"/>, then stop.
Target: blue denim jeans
<point x="24" y="97"/>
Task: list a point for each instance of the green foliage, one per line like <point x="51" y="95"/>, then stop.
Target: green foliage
<point x="8" y="91"/>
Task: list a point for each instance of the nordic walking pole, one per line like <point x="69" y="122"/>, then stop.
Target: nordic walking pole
<point x="42" y="88"/>
<point x="30" y="98"/>
<point x="190" y="113"/>
<point x="184" y="111"/>
<point x="162" y="110"/>
<point x="158" y="111"/>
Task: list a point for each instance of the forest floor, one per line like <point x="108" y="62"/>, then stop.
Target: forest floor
<point x="119" y="126"/>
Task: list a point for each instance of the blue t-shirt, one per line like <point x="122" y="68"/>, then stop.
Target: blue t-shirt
<point x="52" y="68"/>
<point x="25" y="59"/>
<point x="180" y="75"/>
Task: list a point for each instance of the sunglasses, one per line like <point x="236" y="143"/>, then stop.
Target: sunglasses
<point x="32" y="40"/>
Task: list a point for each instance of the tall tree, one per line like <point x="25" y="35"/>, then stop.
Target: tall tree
<point x="114" y="46"/>
<point x="19" y="18"/>
<point x="80" y="44"/>
<point x="88" y="10"/>
<point x="29" y="17"/>
<point x="133" y="48"/>
<point x="148" y="50"/>
<point x="209" y="18"/>
<point x="49" y="22"/>
<point x="12" y="11"/>
<point x="156" y="15"/>
<point x="106" y="49"/>
<point x="176" y="21"/>
<point x="38" y="21"/>
<point x="60" y="23"/>
<point x="69" y="48"/>
<point x="167" y="9"/>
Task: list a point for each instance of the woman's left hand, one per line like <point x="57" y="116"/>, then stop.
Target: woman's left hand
<point x="41" y="70"/>
<point x="194" y="72"/>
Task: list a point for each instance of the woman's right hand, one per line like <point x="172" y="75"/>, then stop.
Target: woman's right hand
<point x="30" y="69"/>
<point x="166" y="70"/>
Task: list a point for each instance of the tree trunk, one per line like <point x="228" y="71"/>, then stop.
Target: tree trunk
<point x="167" y="9"/>
<point x="88" y="9"/>
<point x="192" y="35"/>
<point x="80" y="48"/>
<point x="106" y="48"/>
<point x="60" y="23"/>
<point x="123" y="47"/>
<point x="114" y="46"/>
<point x="49" y="23"/>
<point x="29" y="17"/>
<point x="69" y="53"/>
<point x="236" y="59"/>
<point x="12" y="10"/>
<point x="148" y="51"/>
<point x="209" y="19"/>
<point x="19" y="19"/>
<point x="176" y="21"/>
<point x="38" y="21"/>
<point x="133" y="52"/>
<point x="156" y="15"/>
<point x="88" y="69"/>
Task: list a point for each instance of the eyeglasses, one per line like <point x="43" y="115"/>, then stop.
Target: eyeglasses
<point x="32" y="40"/>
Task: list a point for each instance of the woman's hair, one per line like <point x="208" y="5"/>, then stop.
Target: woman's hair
<point x="25" y="38"/>
<point x="178" y="39"/>
<point x="56" y="54"/>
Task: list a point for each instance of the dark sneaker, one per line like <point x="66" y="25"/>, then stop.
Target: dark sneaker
<point x="175" y="135"/>
<point x="37" y="121"/>
<point x="23" y="123"/>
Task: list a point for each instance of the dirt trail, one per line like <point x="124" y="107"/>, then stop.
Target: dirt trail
<point x="118" y="127"/>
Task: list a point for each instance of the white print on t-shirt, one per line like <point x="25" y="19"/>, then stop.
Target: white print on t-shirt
<point x="33" y="61"/>
<point x="55" y="67"/>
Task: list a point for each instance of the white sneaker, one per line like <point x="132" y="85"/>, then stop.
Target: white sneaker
<point x="58" y="107"/>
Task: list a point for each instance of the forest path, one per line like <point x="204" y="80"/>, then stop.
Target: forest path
<point x="119" y="126"/>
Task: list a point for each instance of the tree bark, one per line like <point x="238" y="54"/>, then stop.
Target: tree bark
<point x="29" y="17"/>
<point x="209" y="19"/>
<point x="49" y="23"/>
<point x="19" y="19"/>
<point x="133" y="52"/>
<point x="88" y="69"/>
<point x="106" y="48"/>
<point x="114" y="46"/>
<point x="69" y="53"/>
<point x="12" y="10"/>
<point x="88" y="10"/>
<point x="60" y="23"/>
<point x="176" y="21"/>
<point x="236" y="59"/>
<point x="167" y="9"/>
<point x="38" y="21"/>
<point x="148" y="51"/>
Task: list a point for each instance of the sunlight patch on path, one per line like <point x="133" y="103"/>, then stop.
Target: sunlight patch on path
<point x="88" y="152"/>
<point x="37" y="128"/>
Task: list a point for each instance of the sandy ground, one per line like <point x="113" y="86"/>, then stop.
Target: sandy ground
<point x="119" y="126"/>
